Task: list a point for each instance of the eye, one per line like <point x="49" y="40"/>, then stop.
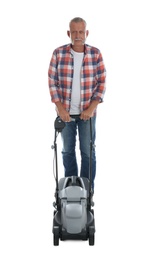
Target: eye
<point x="80" y="32"/>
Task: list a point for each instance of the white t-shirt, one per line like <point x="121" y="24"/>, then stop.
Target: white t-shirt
<point x="76" y="84"/>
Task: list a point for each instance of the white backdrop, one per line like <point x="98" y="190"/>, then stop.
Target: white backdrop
<point x="125" y="193"/>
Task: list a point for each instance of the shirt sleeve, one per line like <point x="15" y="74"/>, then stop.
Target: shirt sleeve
<point x="53" y="81"/>
<point x="101" y="80"/>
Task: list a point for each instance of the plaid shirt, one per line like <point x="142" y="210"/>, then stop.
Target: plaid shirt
<point x="92" y="76"/>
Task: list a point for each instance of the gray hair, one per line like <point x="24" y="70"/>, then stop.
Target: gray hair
<point x="77" y="20"/>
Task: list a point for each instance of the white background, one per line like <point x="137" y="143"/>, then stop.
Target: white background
<point x="125" y="193"/>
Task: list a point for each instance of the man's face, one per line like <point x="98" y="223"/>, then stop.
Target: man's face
<point x="77" y="33"/>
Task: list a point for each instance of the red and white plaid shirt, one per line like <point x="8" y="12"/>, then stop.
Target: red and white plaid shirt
<point x="60" y="75"/>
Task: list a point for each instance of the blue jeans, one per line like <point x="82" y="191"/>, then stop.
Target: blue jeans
<point x="69" y="134"/>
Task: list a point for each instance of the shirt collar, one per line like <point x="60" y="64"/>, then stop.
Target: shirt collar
<point x="69" y="46"/>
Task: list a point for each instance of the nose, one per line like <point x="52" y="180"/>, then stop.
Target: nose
<point x="77" y="34"/>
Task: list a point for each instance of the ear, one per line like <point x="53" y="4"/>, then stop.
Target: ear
<point x="68" y="33"/>
<point x="87" y="32"/>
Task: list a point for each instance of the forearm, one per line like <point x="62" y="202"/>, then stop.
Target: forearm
<point x="93" y="105"/>
<point x="59" y="107"/>
<point x="61" y="111"/>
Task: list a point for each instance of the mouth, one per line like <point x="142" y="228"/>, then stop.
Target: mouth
<point x="77" y="39"/>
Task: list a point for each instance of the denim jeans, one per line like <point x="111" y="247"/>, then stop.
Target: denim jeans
<point x="69" y="133"/>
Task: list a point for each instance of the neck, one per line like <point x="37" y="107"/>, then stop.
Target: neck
<point x="78" y="48"/>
